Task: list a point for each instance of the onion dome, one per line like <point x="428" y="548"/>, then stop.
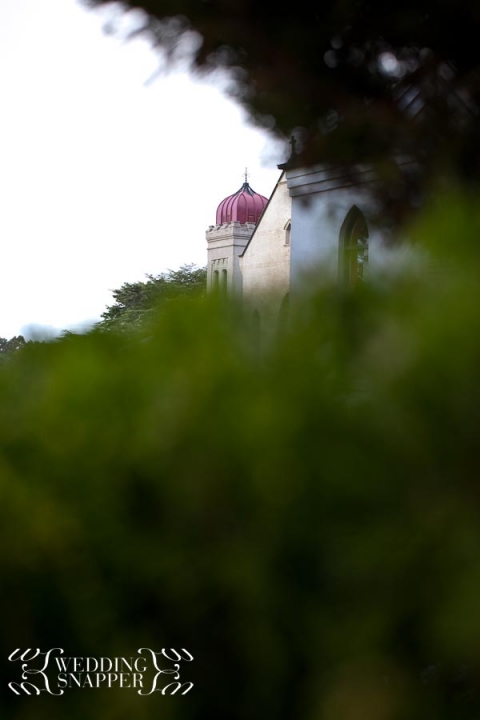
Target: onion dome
<point x="245" y="206"/>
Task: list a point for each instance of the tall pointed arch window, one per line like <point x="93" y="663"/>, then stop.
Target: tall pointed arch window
<point x="353" y="248"/>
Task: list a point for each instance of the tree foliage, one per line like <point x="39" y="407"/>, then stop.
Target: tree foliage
<point x="136" y="302"/>
<point x="355" y="80"/>
<point x="9" y="347"/>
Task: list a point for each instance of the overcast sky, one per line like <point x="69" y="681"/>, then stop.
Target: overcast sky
<point x="104" y="177"/>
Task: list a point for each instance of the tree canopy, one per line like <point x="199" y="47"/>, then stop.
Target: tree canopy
<point x="10" y="346"/>
<point x="354" y="80"/>
<point x="135" y="303"/>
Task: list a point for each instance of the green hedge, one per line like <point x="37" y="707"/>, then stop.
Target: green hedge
<point x="300" y="512"/>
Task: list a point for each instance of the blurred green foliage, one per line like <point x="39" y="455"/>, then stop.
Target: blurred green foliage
<point x="10" y="346"/>
<point x="301" y="513"/>
<point x="354" y="81"/>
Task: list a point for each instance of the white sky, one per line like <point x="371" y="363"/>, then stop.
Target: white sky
<point x="103" y="177"/>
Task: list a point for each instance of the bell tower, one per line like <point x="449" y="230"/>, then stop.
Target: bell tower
<point x="236" y="219"/>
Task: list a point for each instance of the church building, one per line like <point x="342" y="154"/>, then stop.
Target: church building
<point x="317" y="220"/>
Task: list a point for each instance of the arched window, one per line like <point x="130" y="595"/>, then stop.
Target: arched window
<point x="353" y="248"/>
<point x="288" y="229"/>
<point x="224" y="281"/>
<point x="215" y="280"/>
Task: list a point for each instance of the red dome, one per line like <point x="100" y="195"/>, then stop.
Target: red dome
<point x="244" y="206"/>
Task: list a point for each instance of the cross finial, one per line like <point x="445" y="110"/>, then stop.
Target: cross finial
<point x="246" y="175"/>
<point x="293" y="143"/>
